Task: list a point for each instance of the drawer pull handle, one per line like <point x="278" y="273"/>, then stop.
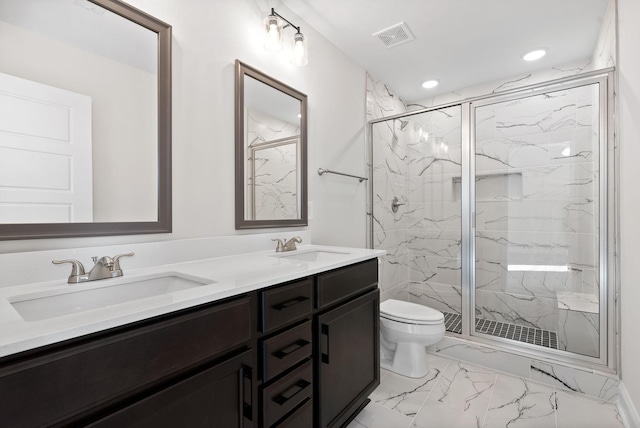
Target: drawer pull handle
<point x="246" y="388"/>
<point x="285" y="352"/>
<point x="324" y="356"/>
<point x="291" y="392"/>
<point x="285" y="305"/>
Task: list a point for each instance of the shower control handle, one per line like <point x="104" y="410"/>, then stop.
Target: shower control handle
<point x="395" y="203"/>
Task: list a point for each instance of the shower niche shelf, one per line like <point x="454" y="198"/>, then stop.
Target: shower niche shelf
<point x="503" y="186"/>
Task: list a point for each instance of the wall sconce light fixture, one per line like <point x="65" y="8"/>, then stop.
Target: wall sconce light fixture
<point x="273" y="27"/>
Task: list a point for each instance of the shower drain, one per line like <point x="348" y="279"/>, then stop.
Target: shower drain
<point x="534" y="336"/>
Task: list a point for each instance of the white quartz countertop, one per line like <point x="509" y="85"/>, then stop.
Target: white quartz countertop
<point x="228" y="276"/>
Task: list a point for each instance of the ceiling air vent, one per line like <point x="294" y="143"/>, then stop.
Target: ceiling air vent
<point x="394" y="35"/>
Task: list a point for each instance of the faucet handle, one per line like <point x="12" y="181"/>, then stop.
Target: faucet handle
<point x="116" y="260"/>
<point x="76" y="271"/>
<point x="280" y="246"/>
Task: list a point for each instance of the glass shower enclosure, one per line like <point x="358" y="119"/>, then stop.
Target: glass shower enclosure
<point x="496" y="212"/>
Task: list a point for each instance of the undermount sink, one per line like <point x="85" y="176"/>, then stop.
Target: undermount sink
<point x="99" y="294"/>
<point x="312" y="255"/>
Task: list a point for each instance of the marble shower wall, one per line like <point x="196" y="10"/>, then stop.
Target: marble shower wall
<point x="389" y="179"/>
<point x="536" y="195"/>
<point x="273" y="185"/>
<point x="433" y="208"/>
<point x="537" y="204"/>
<point x="604" y="54"/>
<point x="416" y="159"/>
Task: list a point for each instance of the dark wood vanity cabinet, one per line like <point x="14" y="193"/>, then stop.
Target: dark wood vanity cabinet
<point x="286" y="357"/>
<point x="120" y="376"/>
<point x="320" y="355"/>
<point x="347" y="333"/>
<point x="297" y="355"/>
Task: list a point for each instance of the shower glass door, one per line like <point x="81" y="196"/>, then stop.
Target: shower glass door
<point x="416" y="209"/>
<point x="538" y="211"/>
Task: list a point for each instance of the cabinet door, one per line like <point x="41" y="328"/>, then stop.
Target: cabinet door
<point x="220" y="397"/>
<point x="349" y="367"/>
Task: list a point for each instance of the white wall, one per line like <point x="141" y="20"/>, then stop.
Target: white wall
<point x="123" y="120"/>
<point x="207" y="38"/>
<point x="629" y="143"/>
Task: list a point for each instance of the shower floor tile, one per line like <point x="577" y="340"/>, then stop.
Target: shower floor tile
<point x="454" y="394"/>
<point x="534" y="336"/>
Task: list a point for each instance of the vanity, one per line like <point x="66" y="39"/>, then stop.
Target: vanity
<point x="293" y="343"/>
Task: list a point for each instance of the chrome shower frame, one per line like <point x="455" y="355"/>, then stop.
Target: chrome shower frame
<point x="608" y="242"/>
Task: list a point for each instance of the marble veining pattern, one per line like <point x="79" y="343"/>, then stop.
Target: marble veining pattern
<point x="537" y="202"/>
<point x="272" y="183"/>
<point x="518" y="402"/>
<point x="455" y="394"/>
<point x="592" y="384"/>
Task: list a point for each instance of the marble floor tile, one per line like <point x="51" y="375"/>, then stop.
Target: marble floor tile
<point x="437" y="415"/>
<point x="520" y="403"/>
<point x="469" y="396"/>
<point x="465" y="387"/>
<point x="376" y="416"/>
<point x="576" y="410"/>
<point x="406" y="395"/>
<point x="596" y="385"/>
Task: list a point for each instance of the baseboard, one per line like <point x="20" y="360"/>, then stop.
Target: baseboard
<point x="627" y="410"/>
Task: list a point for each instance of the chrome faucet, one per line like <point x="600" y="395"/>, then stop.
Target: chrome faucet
<point x="290" y="245"/>
<point x="104" y="267"/>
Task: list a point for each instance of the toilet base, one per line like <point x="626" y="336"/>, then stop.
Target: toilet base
<point x="409" y="359"/>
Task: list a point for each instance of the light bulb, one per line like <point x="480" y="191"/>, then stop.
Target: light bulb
<point x="273" y="34"/>
<point x="299" y="54"/>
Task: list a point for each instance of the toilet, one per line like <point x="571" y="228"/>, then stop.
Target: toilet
<point x="405" y="329"/>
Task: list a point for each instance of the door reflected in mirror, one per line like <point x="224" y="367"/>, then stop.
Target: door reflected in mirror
<point x="270" y="152"/>
<point x="85" y="123"/>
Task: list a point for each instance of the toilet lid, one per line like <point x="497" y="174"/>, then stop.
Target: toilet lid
<point x="408" y="312"/>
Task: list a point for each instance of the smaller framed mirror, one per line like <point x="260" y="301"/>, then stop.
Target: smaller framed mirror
<point x="271" y="151"/>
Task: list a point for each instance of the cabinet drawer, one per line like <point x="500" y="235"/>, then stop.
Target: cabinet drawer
<point x="218" y="397"/>
<point x="285" y="304"/>
<point x="345" y="282"/>
<point x="301" y="418"/>
<point x="62" y="384"/>
<point x="283" y="396"/>
<point x="286" y="349"/>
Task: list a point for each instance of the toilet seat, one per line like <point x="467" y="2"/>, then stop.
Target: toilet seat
<point x="410" y="313"/>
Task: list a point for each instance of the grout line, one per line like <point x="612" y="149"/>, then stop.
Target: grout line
<point x="493" y="389"/>
<point x="555" y="409"/>
<point x="429" y="394"/>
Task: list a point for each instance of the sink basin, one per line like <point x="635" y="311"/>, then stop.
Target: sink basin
<point x="312" y="255"/>
<point x="99" y="294"/>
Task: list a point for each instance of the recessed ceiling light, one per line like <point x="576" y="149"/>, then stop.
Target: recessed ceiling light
<point x="534" y="55"/>
<point x="429" y="84"/>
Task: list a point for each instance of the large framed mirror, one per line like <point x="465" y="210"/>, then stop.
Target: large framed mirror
<point x="85" y="120"/>
<point x="271" y="151"/>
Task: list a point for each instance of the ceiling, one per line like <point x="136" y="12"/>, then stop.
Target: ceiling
<point x="459" y="42"/>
